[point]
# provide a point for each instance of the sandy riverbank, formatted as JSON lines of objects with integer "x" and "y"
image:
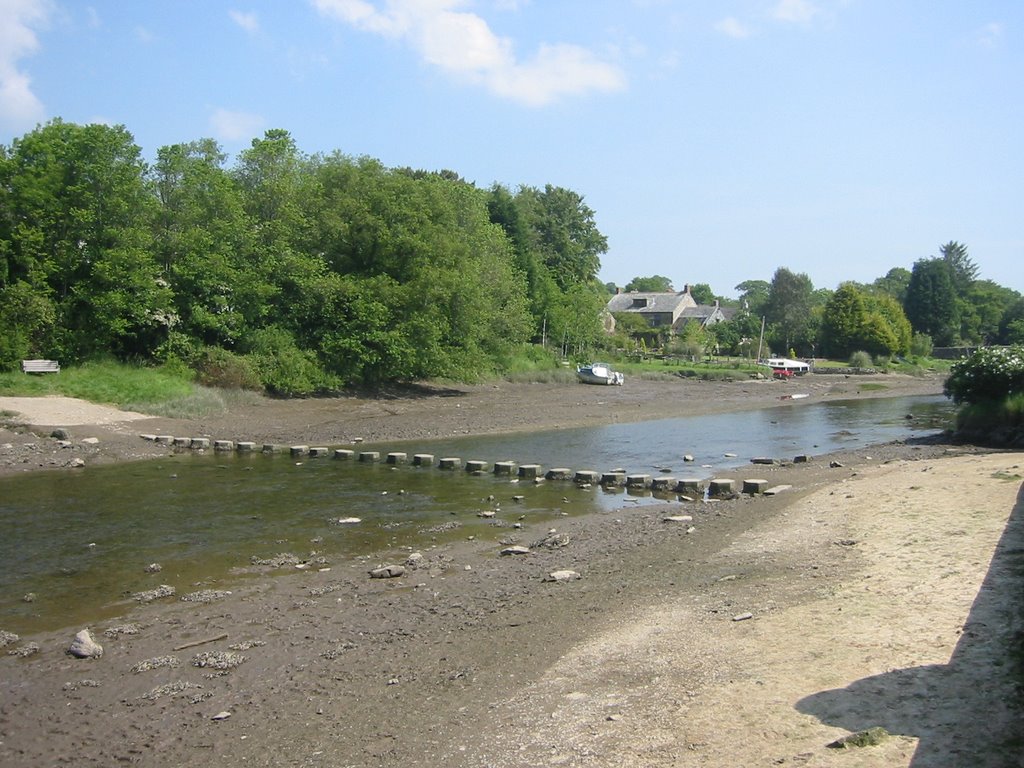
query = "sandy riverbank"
{"x": 863, "y": 585}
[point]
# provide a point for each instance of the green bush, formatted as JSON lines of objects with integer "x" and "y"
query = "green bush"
{"x": 285, "y": 369}
{"x": 989, "y": 375}
{"x": 861, "y": 359}
{"x": 921, "y": 345}
{"x": 216, "y": 367}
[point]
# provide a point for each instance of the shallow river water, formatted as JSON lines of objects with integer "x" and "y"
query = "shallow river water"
{"x": 80, "y": 540}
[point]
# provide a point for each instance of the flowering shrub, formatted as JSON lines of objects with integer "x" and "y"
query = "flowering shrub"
{"x": 990, "y": 374}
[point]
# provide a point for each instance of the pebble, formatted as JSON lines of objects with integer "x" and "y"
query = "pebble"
{"x": 516, "y": 550}
{"x": 387, "y": 572}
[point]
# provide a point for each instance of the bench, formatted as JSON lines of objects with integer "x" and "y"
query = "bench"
{"x": 40, "y": 366}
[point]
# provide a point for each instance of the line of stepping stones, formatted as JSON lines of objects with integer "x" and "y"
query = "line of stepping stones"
{"x": 692, "y": 488}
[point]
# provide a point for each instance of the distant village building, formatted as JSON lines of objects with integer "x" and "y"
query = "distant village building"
{"x": 670, "y": 309}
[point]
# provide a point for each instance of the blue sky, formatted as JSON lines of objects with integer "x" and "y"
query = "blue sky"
{"x": 715, "y": 140}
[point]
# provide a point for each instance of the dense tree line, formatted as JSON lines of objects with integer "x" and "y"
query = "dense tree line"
{"x": 301, "y": 273}
{"x": 940, "y": 302}
{"x": 285, "y": 270}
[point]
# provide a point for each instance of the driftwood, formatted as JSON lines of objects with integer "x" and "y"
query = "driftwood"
{"x": 194, "y": 643}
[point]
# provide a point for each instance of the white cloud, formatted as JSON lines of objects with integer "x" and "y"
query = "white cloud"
{"x": 231, "y": 126}
{"x": 990, "y": 35}
{"x": 733, "y": 27}
{"x": 250, "y": 22}
{"x": 20, "y": 108}
{"x": 795, "y": 11}
{"x": 464, "y": 45}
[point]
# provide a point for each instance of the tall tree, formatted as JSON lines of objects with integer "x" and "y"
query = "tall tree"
{"x": 962, "y": 268}
{"x": 204, "y": 239}
{"x": 789, "y": 310}
{"x": 83, "y": 239}
{"x": 931, "y": 304}
{"x": 568, "y": 238}
{"x": 843, "y": 325}
{"x": 754, "y": 295}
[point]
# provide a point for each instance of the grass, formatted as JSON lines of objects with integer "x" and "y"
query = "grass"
{"x": 160, "y": 391}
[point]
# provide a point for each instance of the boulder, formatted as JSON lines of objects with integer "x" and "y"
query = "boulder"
{"x": 85, "y": 647}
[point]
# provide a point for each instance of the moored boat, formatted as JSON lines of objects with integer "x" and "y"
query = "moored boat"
{"x": 599, "y": 373}
{"x": 783, "y": 367}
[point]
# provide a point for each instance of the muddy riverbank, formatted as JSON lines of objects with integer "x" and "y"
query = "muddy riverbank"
{"x": 753, "y": 634}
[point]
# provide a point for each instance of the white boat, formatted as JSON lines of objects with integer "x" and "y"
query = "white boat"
{"x": 783, "y": 366}
{"x": 599, "y": 373}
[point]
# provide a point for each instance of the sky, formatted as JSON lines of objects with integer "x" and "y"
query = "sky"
{"x": 715, "y": 140}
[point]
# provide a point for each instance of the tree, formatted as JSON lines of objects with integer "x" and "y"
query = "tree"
{"x": 83, "y": 239}
{"x": 1011, "y": 326}
{"x": 754, "y": 295}
{"x": 568, "y": 239}
{"x": 844, "y": 323}
{"x": 885, "y": 312}
{"x": 702, "y": 293}
{"x": 962, "y": 268}
{"x": 652, "y": 284}
{"x": 982, "y": 308}
{"x": 789, "y": 310}
{"x": 893, "y": 284}
{"x": 931, "y": 303}
{"x": 204, "y": 241}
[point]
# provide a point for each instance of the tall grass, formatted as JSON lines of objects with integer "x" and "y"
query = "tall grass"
{"x": 161, "y": 391}
{"x": 988, "y": 416}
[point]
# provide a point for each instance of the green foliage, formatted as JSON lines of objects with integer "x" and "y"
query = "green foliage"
{"x": 297, "y": 271}
{"x": 285, "y": 369}
{"x": 931, "y": 304}
{"x": 25, "y": 317}
{"x": 844, "y": 323}
{"x": 790, "y": 313}
{"x": 894, "y": 284}
{"x": 983, "y": 308}
{"x": 990, "y": 374}
{"x": 652, "y": 284}
{"x": 84, "y": 240}
{"x": 702, "y": 293}
{"x": 998, "y": 422}
{"x": 216, "y": 367}
{"x": 962, "y": 268}
{"x": 105, "y": 381}
{"x": 921, "y": 345}
{"x": 754, "y": 295}
{"x": 1011, "y": 325}
{"x": 860, "y": 359}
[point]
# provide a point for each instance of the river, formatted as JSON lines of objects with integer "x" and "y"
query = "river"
{"x": 79, "y": 541}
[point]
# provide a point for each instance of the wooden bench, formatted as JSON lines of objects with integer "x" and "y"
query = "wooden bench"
{"x": 40, "y": 366}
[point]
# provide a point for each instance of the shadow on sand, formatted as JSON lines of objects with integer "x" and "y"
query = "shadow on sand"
{"x": 969, "y": 712}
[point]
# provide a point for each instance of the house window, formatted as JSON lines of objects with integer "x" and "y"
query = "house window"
{"x": 639, "y": 303}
